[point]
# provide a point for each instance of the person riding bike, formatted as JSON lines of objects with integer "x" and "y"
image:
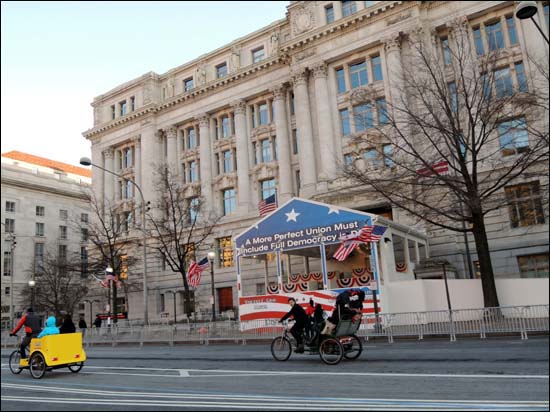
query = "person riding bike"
{"x": 300, "y": 319}
{"x": 32, "y": 329}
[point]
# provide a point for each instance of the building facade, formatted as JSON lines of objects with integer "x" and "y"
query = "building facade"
{"x": 274, "y": 110}
{"x": 41, "y": 198}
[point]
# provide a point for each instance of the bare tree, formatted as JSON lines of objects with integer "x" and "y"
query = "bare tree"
{"x": 459, "y": 135}
{"x": 180, "y": 224}
{"x": 112, "y": 245}
{"x": 59, "y": 285}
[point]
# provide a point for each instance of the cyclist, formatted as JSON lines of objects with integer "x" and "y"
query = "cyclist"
{"x": 32, "y": 329}
{"x": 300, "y": 319}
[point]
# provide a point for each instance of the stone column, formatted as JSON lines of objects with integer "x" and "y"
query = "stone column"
{"x": 98, "y": 175}
{"x": 283, "y": 145}
{"x": 206, "y": 163}
{"x": 117, "y": 157}
{"x": 251, "y": 153}
{"x": 324, "y": 121}
{"x": 149, "y": 161}
{"x": 243, "y": 166}
{"x": 395, "y": 70}
{"x": 305, "y": 134}
{"x": 109, "y": 195}
{"x": 172, "y": 155}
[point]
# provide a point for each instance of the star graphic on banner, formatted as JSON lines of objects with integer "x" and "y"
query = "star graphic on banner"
{"x": 292, "y": 215}
{"x": 332, "y": 209}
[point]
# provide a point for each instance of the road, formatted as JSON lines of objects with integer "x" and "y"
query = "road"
{"x": 492, "y": 374}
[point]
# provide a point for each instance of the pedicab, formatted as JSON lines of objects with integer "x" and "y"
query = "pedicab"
{"x": 50, "y": 352}
{"x": 332, "y": 348}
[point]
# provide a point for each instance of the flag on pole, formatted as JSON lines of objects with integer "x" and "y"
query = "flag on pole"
{"x": 195, "y": 271}
{"x": 345, "y": 249}
{"x": 267, "y": 205}
{"x": 371, "y": 233}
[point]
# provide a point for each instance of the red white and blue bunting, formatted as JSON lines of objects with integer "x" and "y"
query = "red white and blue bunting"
{"x": 272, "y": 289}
{"x": 401, "y": 267}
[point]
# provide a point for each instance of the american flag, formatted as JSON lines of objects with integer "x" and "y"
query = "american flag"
{"x": 439, "y": 168}
{"x": 371, "y": 233}
{"x": 269, "y": 204}
{"x": 345, "y": 249}
{"x": 105, "y": 282}
{"x": 195, "y": 271}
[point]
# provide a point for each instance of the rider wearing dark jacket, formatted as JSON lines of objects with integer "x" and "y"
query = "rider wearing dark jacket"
{"x": 32, "y": 329}
{"x": 300, "y": 318}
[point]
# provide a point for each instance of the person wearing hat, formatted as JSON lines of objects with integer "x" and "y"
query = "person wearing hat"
{"x": 32, "y": 329}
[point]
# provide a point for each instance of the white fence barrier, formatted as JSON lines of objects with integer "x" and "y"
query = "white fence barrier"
{"x": 485, "y": 321}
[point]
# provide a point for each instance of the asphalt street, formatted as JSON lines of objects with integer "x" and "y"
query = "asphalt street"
{"x": 470, "y": 374}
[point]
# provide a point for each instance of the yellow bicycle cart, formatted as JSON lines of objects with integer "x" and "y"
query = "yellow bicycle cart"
{"x": 51, "y": 352}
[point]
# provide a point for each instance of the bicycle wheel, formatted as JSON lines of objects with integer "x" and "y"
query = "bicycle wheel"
{"x": 37, "y": 365}
{"x": 75, "y": 367}
{"x": 353, "y": 347}
{"x": 15, "y": 358}
{"x": 331, "y": 351}
{"x": 281, "y": 348}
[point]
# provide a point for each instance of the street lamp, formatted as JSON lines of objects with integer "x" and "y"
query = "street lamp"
{"x": 211, "y": 256}
{"x": 32, "y": 283}
{"x": 85, "y": 161}
{"x": 526, "y": 10}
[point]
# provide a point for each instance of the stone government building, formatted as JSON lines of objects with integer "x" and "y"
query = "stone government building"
{"x": 274, "y": 109}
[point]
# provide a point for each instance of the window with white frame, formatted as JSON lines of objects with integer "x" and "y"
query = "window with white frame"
{"x": 40, "y": 210}
{"x": 84, "y": 217}
{"x": 348, "y": 8}
{"x": 268, "y": 188}
{"x": 264, "y": 119}
{"x": 371, "y": 158}
{"x": 358, "y": 74}
{"x": 193, "y": 171}
{"x": 63, "y": 232}
{"x": 188, "y": 84}
{"x": 194, "y": 208}
{"x": 229, "y": 201}
{"x": 7, "y": 258}
{"x": 39, "y": 229}
{"x": 266, "y": 151}
{"x": 345, "y": 123}
{"x": 227, "y": 161}
{"x": 10, "y": 206}
{"x": 226, "y": 129}
{"x": 363, "y": 115}
{"x": 191, "y": 138}
{"x": 513, "y": 136}
{"x": 63, "y": 214}
{"x": 534, "y": 266}
{"x": 258, "y": 55}
{"x": 221, "y": 70}
{"x": 9, "y": 225}
{"x": 122, "y": 107}
{"x": 525, "y": 204}
{"x": 329, "y": 13}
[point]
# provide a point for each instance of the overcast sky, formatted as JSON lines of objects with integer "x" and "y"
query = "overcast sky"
{"x": 57, "y": 56}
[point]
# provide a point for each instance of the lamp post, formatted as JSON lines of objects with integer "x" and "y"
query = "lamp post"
{"x": 526, "y": 10}
{"x": 32, "y": 283}
{"x": 109, "y": 272}
{"x": 211, "y": 256}
{"x": 85, "y": 161}
{"x": 13, "y": 242}
{"x": 91, "y": 302}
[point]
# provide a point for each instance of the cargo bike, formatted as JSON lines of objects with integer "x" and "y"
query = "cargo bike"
{"x": 50, "y": 352}
{"x": 332, "y": 348}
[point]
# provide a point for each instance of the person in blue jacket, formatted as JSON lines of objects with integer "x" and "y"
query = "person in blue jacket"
{"x": 50, "y": 328}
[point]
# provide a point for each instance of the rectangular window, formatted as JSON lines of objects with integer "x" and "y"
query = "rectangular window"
{"x": 268, "y": 188}
{"x": 263, "y": 114}
{"x": 364, "y": 117}
{"x": 194, "y": 208}
{"x": 258, "y": 55}
{"x": 503, "y": 83}
{"x": 225, "y": 127}
{"x": 298, "y": 183}
{"x": 63, "y": 214}
{"x": 9, "y": 225}
{"x": 534, "y": 266}
{"x": 122, "y": 106}
{"x": 344, "y": 120}
{"x": 40, "y": 211}
{"x": 513, "y": 137}
{"x": 188, "y": 84}
{"x": 10, "y": 206}
{"x": 341, "y": 80}
{"x": 84, "y": 217}
{"x": 113, "y": 112}
{"x": 227, "y": 161}
{"x": 371, "y": 158}
{"x": 83, "y": 262}
{"x": 221, "y": 70}
{"x": 225, "y": 252}
{"x": 7, "y": 258}
{"x": 388, "y": 155}
{"x": 7, "y": 291}
{"x": 84, "y": 234}
{"x": 478, "y": 40}
{"x": 348, "y": 8}
{"x": 358, "y": 75}
{"x": 368, "y": 3}
{"x": 38, "y": 255}
{"x": 255, "y": 149}
{"x": 525, "y": 204}
{"x": 193, "y": 172}
{"x": 127, "y": 157}
{"x": 511, "y": 30}
{"x": 191, "y": 138}
{"x": 382, "y": 110}
{"x": 229, "y": 201}
{"x": 446, "y": 51}
{"x": 520, "y": 75}
{"x": 292, "y": 105}
{"x": 63, "y": 232}
{"x": 294, "y": 141}
{"x": 253, "y": 116}
{"x": 132, "y": 103}
{"x": 377, "y": 68}
{"x": 486, "y": 86}
{"x": 266, "y": 151}
{"x": 62, "y": 252}
{"x": 495, "y": 39}
{"x": 348, "y": 159}
{"x": 453, "y": 96}
{"x": 547, "y": 16}
{"x": 329, "y": 14}
{"x": 39, "y": 229}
